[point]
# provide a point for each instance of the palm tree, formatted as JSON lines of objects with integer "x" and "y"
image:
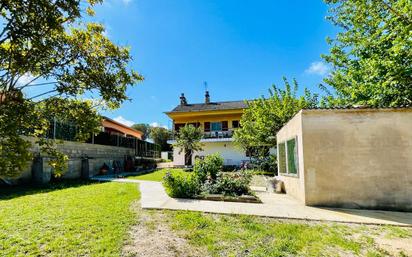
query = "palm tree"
{"x": 188, "y": 140}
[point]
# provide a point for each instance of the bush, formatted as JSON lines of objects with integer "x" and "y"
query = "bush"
{"x": 232, "y": 184}
{"x": 181, "y": 186}
{"x": 267, "y": 164}
{"x": 207, "y": 178}
{"x": 208, "y": 168}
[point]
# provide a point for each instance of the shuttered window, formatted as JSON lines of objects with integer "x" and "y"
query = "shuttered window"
{"x": 235, "y": 123}
{"x": 225, "y": 126}
{"x": 207, "y": 127}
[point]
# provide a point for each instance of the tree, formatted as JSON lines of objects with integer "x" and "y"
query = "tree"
{"x": 160, "y": 136}
{"x": 188, "y": 140}
{"x": 45, "y": 44}
{"x": 264, "y": 117}
{"x": 143, "y": 127}
{"x": 371, "y": 56}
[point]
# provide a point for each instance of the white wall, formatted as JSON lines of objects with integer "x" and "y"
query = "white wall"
{"x": 230, "y": 154}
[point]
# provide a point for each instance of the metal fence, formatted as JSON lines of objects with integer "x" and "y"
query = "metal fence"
{"x": 67, "y": 132}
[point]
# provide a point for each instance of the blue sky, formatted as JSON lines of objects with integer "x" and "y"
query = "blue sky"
{"x": 239, "y": 47}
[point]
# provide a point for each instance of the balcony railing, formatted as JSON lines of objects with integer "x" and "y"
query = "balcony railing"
{"x": 218, "y": 134}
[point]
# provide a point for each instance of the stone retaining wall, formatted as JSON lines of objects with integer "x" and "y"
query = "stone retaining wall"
{"x": 93, "y": 156}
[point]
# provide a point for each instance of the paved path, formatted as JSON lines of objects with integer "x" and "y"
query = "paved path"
{"x": 153, "y": 196}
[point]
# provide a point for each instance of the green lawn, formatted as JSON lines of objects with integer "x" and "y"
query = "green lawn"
{"x": 234, "y": 235}
{"x": 66, "y": 219}
{"x": 158, "y": 174}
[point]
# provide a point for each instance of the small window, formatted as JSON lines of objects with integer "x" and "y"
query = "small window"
{"x": 288, "y": 157}
{"x": 225, "y": 126}
{"x": 235, "y": 123}
{"x": 216, "y": 126}
{"x": 282, "y": 157}
{"x": 292, "y": 156}
{"x": 207, "y": 127}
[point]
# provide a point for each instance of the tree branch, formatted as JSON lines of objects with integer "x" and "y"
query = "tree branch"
{"x": 45, "y": 93}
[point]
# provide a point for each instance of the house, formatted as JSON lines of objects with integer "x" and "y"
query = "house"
{"x": 218, "y": 120}
{"x": 354, "y": 157}
{"x": 116, "y": 128}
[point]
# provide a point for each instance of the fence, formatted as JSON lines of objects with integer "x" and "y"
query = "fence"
{"x": 67, "y": 132}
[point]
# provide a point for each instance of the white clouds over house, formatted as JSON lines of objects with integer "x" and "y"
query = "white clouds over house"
{"x": 124, "y": 121}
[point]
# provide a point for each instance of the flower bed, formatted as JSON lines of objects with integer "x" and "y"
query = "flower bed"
{"x": 208, "y": 182}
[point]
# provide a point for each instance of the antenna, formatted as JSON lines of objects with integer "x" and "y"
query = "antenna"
{"x": 205, "y": 83}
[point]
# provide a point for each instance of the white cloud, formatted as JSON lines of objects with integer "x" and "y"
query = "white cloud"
{"x": 156, "y": 124}
{"x": 126, "y": 2}
{"x": 318, "y": 68}
{"x": 124, "y": 121}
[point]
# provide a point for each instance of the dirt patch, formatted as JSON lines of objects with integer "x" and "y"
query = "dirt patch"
{"x": 152, "y": 237}
{"x": 395, "y": 246}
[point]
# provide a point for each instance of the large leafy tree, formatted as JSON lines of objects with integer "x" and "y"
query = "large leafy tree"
{"x": 143, "y": 127}
{"x": 160, "y": 136}
{"x": 372, "y": 54}
{"x": 188, "y": 141}
{"x": 44, "y": 45}
{"x": 264, "y": 117}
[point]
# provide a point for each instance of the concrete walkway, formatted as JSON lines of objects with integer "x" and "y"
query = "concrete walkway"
{"x": 153, "y": 196}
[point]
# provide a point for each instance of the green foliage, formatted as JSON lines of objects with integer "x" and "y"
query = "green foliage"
{"x": 266, "y": 116}
{"x": 158, "y": 175}
{"x": 371, "y": 56}
{"x": 46, "y": 42}
{"x": 207, "y": 178}
{"x": 266, "y": 163}
{"x": 188, "y": 139}
{"x": 71, "y": 218}
{"x": 160, "y": 136}
{"x": 181, "y": 186}
{"x": 230, "y": 184}
{"x": 208, "y": 168}
{"x": 143, "y": 127}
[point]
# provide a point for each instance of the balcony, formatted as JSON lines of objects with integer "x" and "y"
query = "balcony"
{"x": 213, "y": 136}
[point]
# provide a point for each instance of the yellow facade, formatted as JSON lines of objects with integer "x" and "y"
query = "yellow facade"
{"x": 206, "y": 116}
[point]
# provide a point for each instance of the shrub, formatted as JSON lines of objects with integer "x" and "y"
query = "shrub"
{"x": 208, "y": 168}
{"x": 267, "y": 164}
{"x": 181, "y": 186}
{"x": 233, "y": 184}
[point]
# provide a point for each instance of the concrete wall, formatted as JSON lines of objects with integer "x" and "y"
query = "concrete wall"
{"x": 98, "y": 154}
{"x": 359, "y": 158}
{"x": 294, "y": 184}
{"x": 231, "y": 155}
{"x": 356, "y": 158}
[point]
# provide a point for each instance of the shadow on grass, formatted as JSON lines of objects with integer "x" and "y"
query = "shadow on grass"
{"x": 10, "y": 192}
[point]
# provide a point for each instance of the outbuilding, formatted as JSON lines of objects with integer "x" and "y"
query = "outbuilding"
{"x": 348, "y": 157}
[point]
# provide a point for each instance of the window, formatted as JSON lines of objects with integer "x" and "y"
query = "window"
{"x": 292, "y": 156}
{"x": 216, "y": 126}
{"x": 235, "y": 123}
{"x": 288, "y": 157}
{"x": 282, "y": 157}
{"x": 207, "y": 127}
{"x": 225, "y": 126}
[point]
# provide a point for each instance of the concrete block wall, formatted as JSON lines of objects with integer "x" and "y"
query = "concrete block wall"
{"x": 76, "y": 151}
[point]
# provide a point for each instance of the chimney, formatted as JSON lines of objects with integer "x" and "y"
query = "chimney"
{"x": 207, "y": 98}
{"x": 183, "y": 100}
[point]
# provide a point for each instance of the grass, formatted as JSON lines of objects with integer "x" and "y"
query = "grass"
{"x": 158, "y": 174}
{"x": 233, "y": 235}
{"x": 71, "y": 218}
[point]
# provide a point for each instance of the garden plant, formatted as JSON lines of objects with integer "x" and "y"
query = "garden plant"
{"x": 208, "y": 178}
